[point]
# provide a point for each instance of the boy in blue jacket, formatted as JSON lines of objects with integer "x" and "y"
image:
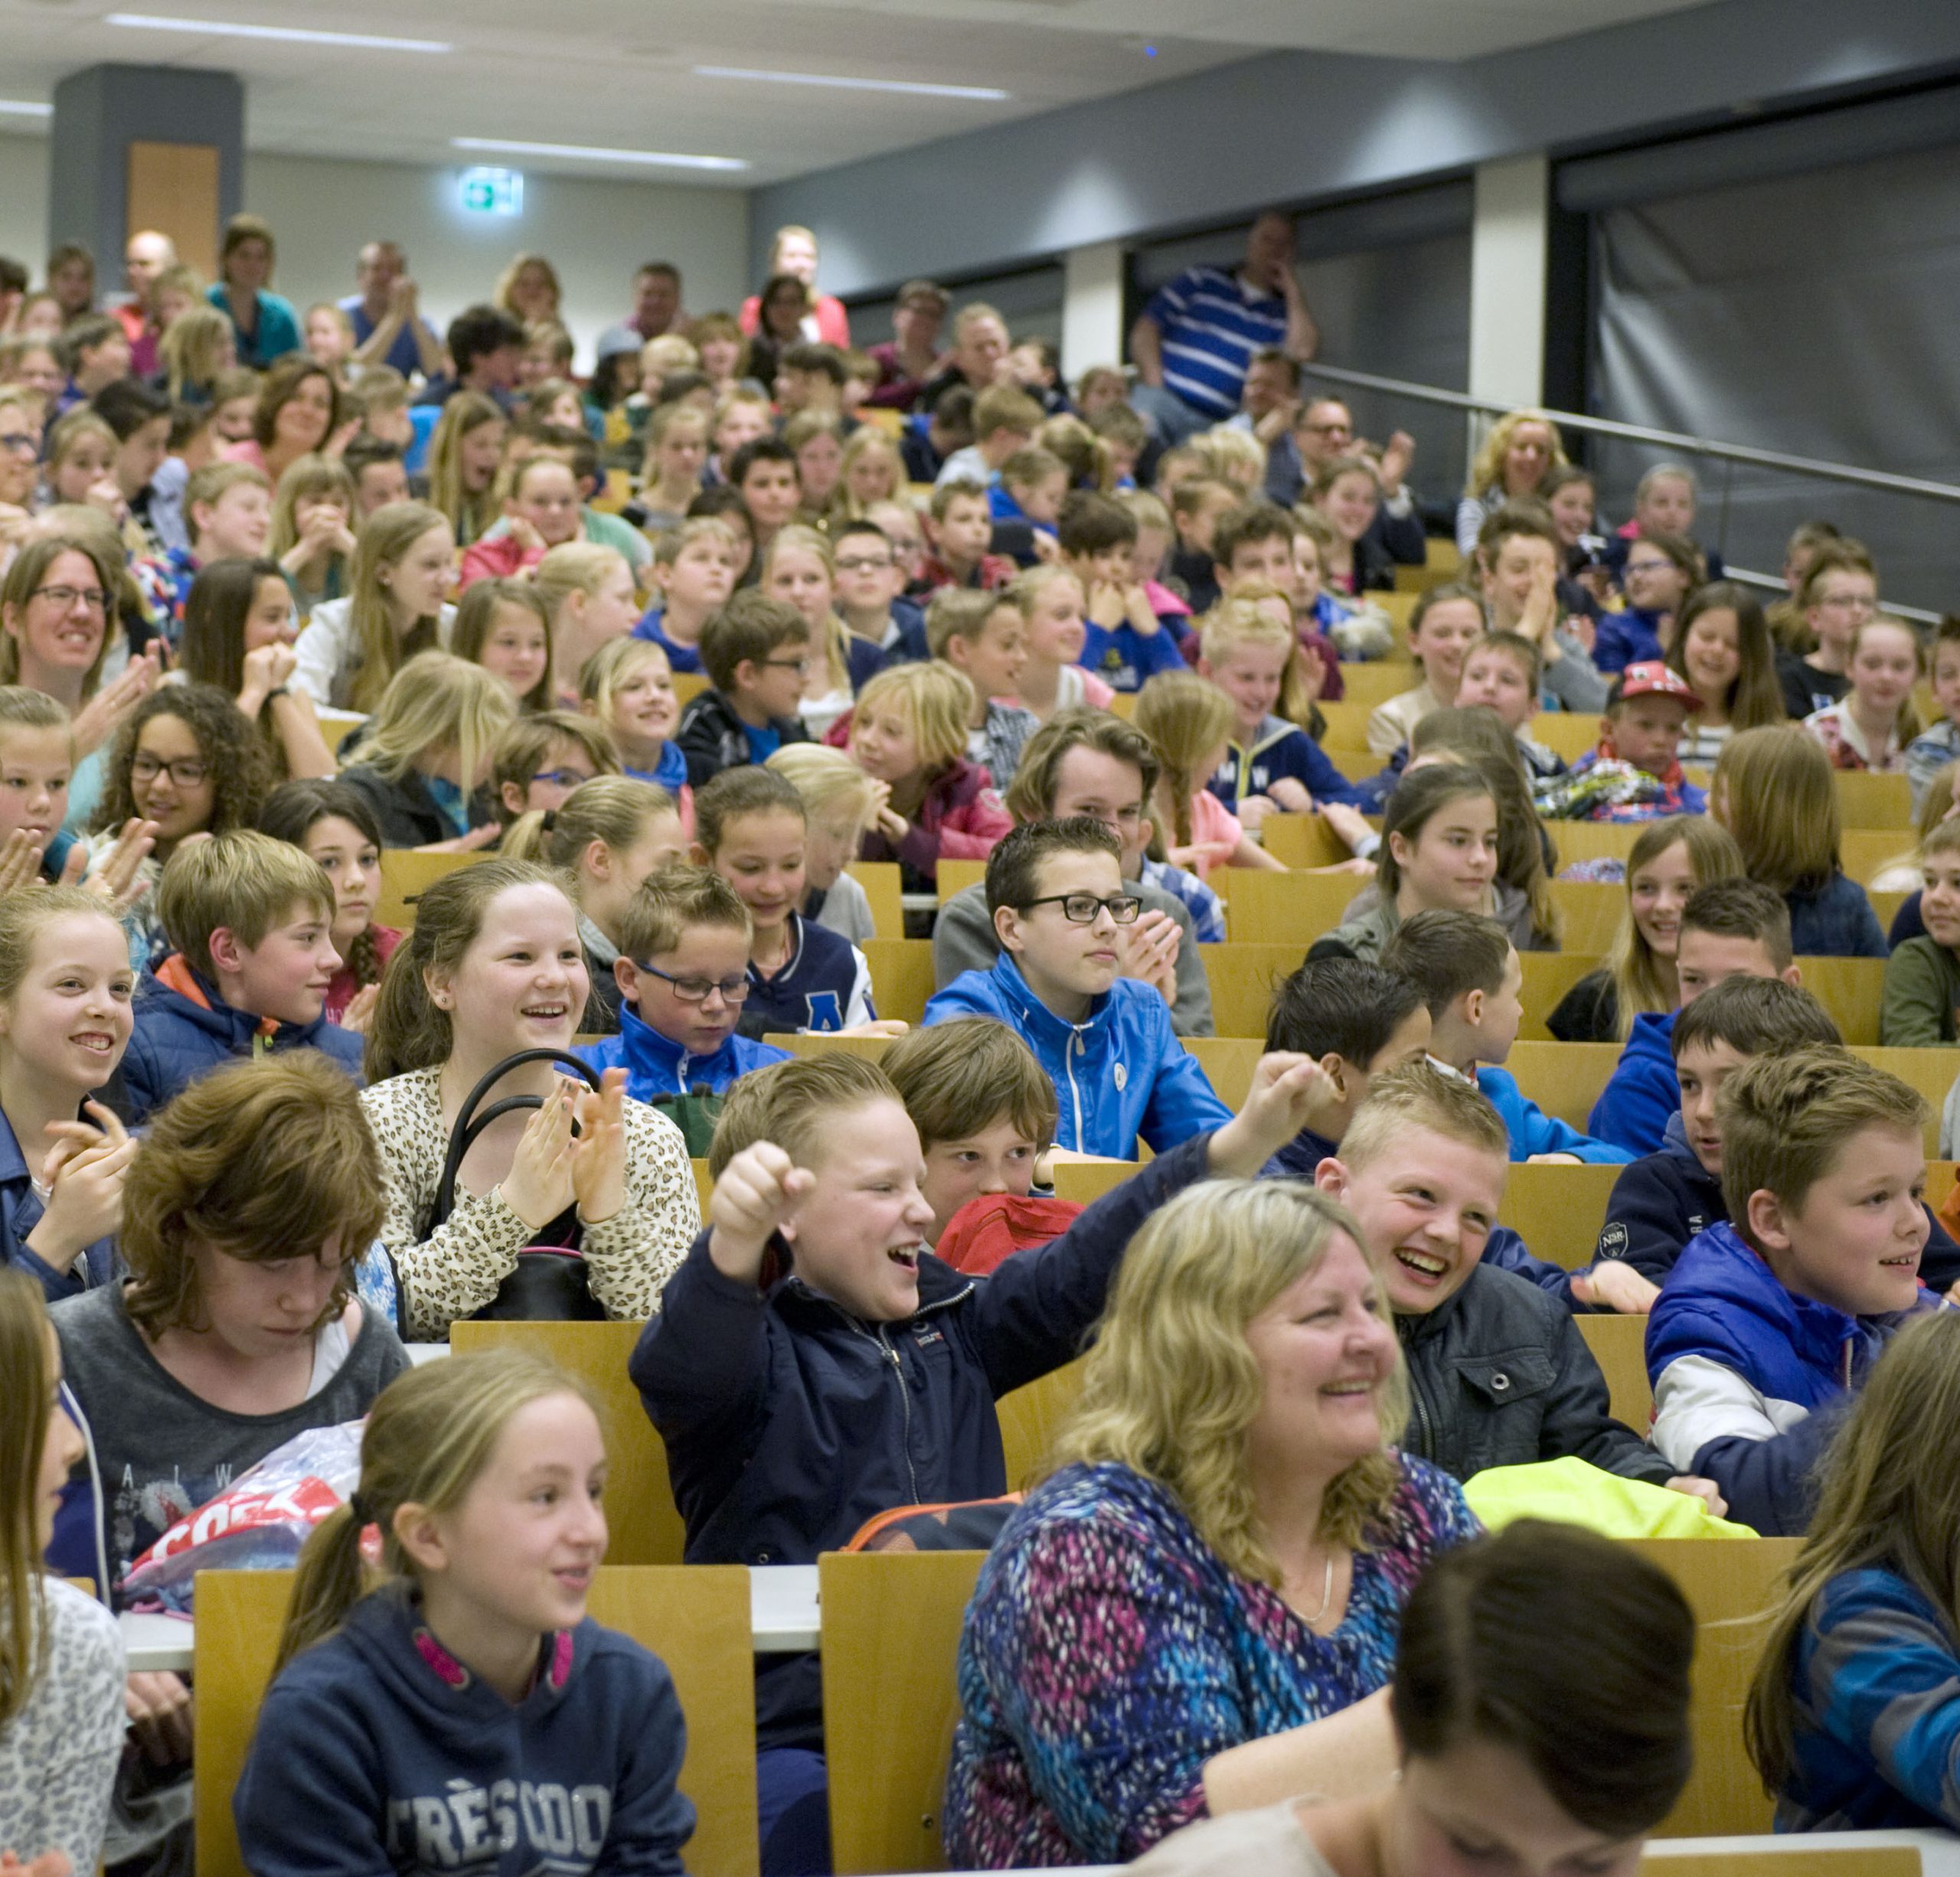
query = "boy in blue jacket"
{"x": 1469, "y": 971}
{"x": 1055, "y": 894}
{"x": 1767, "y": 1324}
{"x": 250, "y": 921}
{"x": 683, "y": 975}
{"x": 794, "y": 1407}
{"x": 1729, "y": 928}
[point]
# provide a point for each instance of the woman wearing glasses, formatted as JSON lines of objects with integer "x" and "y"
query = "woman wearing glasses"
{"x": 1055, "y": 893}
{"x": 188, "y": 762}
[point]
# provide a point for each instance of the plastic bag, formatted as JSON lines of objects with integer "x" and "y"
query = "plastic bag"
{"x": 256, "y": 1524}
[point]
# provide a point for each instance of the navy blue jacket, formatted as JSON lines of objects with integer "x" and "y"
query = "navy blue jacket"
{"x": 377, "y": 1751}
{"x": 1662, "y": 1202}
{"x": 1836, "y": 922}
{"x": 1280, "y": 748}
{"x": 788, "y": 1421}
{"x": 183, "y": 1033}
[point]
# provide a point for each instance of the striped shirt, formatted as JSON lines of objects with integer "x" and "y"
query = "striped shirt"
{"x": 1212, "y": 323}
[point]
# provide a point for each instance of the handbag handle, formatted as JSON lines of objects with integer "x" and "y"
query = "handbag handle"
{"x": 469, "y": 1124}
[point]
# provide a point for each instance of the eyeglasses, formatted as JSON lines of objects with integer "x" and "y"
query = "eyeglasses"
{"x": 1329, "y": 430}
{"x": 1081, "y": 908}
{"x": 855, "y": 565}
{"x": 800, "y": 666}
{"x": 698, "y": 990}
{"x": 561, "y": 779}
{"x": 186, "y": 772}
{"x": 64, "y": 597}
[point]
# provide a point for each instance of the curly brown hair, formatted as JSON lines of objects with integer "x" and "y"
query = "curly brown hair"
{"x": 227, "y": 742}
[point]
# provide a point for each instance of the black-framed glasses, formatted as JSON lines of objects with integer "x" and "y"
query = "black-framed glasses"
{"x": 698, "y": 990}
{"x": 856, "y": 563}
{"x": 800, "y": 666}
{"x": 92, "y": 597}
{"x": 186, "y": 772}
{"x": 1081, "y": 908}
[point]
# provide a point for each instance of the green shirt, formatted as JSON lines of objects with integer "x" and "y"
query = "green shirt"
{"x": 1922, "y": 990}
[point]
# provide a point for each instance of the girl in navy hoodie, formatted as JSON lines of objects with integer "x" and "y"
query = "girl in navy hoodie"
{"x": 467, "y": 1714}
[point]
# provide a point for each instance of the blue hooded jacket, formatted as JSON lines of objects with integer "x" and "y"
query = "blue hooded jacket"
{"x": 1750, "y": 1379}
{"x": 1633, "y": 1109}
{"x": 376, "y": 1750}
{"x": 1532, "y": 1131}
{"x": 1121, "y": 1074}
{"x": 184, "y": 1030}
{"x": 656, "y": 1067}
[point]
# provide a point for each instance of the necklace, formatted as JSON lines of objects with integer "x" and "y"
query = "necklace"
{"x": 1326, "y": 1595}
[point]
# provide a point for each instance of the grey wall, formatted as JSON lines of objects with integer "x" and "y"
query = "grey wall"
{"x": 1296, "y": 127}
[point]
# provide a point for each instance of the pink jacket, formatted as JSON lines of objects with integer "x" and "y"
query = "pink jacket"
{"x": 496, "y": 556}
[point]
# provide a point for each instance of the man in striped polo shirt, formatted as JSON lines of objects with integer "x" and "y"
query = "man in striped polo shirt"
{"x": 1194, "y": 342}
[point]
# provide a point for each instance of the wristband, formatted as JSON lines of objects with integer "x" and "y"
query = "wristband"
{"x": 279, "y": 690}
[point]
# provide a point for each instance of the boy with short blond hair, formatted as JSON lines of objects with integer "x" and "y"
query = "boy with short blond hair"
{"x": 694, "y": 573}
{"x": 1029, "y": 487}
{"x": 1768, "y": 1324}
{"x": 756, "y": 651}
{"x": 683, "y": 975}
{"x": 959, "y": 524}
{"x": 1004, "y": 420}
{"x": 985, "y": 1110}
{"x": 985, "y": 636}
{"x": 250, "y": 921}
{"x": 1500, "y": 1375}
{"x": 813, "y": 1364}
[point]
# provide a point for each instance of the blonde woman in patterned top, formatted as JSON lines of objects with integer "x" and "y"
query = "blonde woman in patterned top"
{"x": 494, "y": 966}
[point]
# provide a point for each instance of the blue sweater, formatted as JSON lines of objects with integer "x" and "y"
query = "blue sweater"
{"x": 1533, "y": 1132}
{"x": 1836, "y": 922}
{"x": 1750, "y": 1379}
{"x": 1877, "y": 1725}
{"x": 1280, "y": 748}
{"x": 1630, "y": 637}
{"x": 656, "y": 1066}
{"x": 1643, "y": 1094}
{"x": 21, "y": 1211}
{"x": 1122, "y": 658}
{"x": 1121, "y": 1074}
{"x": 376, "y": 1752}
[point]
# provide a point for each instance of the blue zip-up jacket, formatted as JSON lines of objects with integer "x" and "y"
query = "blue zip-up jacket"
{"x": 1121, "y": 1074}
{"x": 1876, "y": 1730}
{"x": 1280, "y": 748}
{"x": 1750, "y": 1379}
{"x": 1628, "y": 637}
{"x": 1661, "y": 1201}
{"x": 184, "y": 1030}
{"x": 656, "y": 1066}
{"x": 788, "y": 1421}
{"x": 376, "y": 1750}
{"x": 21, "y": 1211}
{"x": 1643, "y": 1093}
{"x": 1532, "y": 1131}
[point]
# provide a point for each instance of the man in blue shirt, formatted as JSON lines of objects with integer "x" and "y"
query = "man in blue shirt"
{"x": 1194, "y": 343}
{"x": 387, "y": 329}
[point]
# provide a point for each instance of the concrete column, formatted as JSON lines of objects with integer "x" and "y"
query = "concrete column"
{"x": 1091, "y": 308}
{"x": 1507, "y": 280}
{"x": 159, "y": 141}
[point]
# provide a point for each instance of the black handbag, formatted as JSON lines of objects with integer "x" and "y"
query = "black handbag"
{"x": 549, "y": 1285}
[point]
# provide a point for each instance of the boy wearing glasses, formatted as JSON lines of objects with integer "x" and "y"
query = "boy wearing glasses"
{"x": 884, "y": 628}
{"x": 1056, "y": 895}
{"x": 683, "y": 974}
{"x": 756, "y": 651}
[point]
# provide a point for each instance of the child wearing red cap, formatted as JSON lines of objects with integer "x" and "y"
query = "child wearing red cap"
{"x": 1635, "y": 774}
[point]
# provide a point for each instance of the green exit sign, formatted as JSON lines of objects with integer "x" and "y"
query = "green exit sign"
{"x": 492, "y": 191}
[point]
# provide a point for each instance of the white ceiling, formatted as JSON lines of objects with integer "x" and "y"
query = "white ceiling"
{"x": 620, "y": 72}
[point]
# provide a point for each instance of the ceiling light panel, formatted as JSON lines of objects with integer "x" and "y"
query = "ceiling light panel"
{"x": 988, "y": 94}
{"x": 659, "y": 159}
{"x": 292, "y": 35}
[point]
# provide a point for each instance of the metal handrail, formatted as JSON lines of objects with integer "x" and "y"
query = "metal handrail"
{"x": 1769, "y": 582}
{"x": 1640, "y": 433}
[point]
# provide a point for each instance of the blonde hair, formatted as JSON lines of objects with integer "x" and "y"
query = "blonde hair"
{"x": 666, "y": 418}
{"x": 1888, "y": 1500}
{"x": 501, "y": 295}
{"x": 608, "y": 668}
{"x": 1186, "y": 718}
{"x": 826, "y": 778}
{"x": 243, "y": 881}
{"x": 437, "y": 701}
{"x": 1639, "y": 981}
{"x": 1774, "y": 784}
{"x": 1487, "y": 469}
{"x": 574, "y": 567}
{"x": 24, "y": 1399}
{"x": 1222, "y": 450}
{"x": 937, "y": 698}
{"x": 675, "y": 900}
{"x": 189, "y": 349}
{"x": 791, "y": 1103}
{"x": 1417, "y": 1095}
{"x": 1171, "y": 1389}
{"x": 868, "y": 440}
{"x": 69, "y": 432}
{"x": 836, "y": 635}
{"x": 1239, "y": 620}
{"x": 305, "y": 478}
{"x": 614, "y": 810}
{"x": 383, "y": 542}
{"x": 470, "y": 514}
{"x": 1907, "y": 725}
{"x": 428, "y": 1436}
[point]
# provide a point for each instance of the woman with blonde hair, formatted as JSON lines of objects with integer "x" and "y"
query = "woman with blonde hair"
{"x": 1669, "y": 859}
{"x": 464, "y": 457}
{"x": 61, "y": 1667}
{"x": 1851, "y": 1720}
{"x": 529, "y": 291}
{"x": 1197, "y": 1610}
{"x": 1773, "y": 791}
{"x": 839, "y": 801}
{"x": 1523, "y": 448}
{"x": 197, "y": 348}
{"x": 423, "y": 758}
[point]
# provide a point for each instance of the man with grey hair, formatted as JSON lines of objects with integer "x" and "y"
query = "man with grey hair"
{"x": 388, "y": 327}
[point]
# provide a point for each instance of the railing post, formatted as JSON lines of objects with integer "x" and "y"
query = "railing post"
{"x": 1507, "y": 280}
